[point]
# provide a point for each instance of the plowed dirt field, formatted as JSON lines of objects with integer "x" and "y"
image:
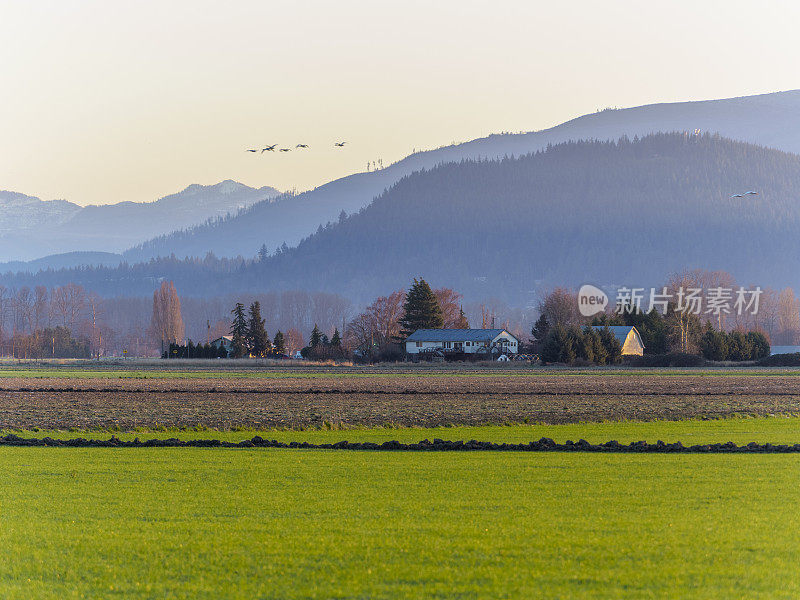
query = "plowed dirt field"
{"x": 382, "y": 399}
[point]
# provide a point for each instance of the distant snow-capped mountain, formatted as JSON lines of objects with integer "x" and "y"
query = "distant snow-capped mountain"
{"x": 21, "y": 212}
{"x": 31, "y": 228}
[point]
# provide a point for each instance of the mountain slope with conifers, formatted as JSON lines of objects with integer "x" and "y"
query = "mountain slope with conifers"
{"x": 625, "y": 213}
{"x": 611, "y": 213}
{"x": 766, "y": 119}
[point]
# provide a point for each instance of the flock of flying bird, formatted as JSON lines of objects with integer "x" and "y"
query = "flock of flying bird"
{"x": 301, "y": 146}
{"x": 750, "y": 193}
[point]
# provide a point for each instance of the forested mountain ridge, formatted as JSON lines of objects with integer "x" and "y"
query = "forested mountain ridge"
{"x": 625, "y": 213}
{"x": 63, "y": 261}
{"x": 767, "y": 119}
{"x": 610, "y": 213}
{"x": 31, "y": 228}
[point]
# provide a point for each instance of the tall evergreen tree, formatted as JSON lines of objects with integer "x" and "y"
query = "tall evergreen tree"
{"x": 462, "y": 322}
{"x": 421, "y": 310}
{"x": 612, "y": 346}
{"x": 336, "y": 340}
{"x": 279, "y": 343}
{"x": 257, "y": 338}
{"x": 239, "y": 332}
{"x": 316, "y": 337}
{"x": 540, "y": 330}
{"x": 558, "y": 346}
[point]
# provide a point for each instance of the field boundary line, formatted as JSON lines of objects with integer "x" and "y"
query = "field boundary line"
{"x": 437, "y": 445}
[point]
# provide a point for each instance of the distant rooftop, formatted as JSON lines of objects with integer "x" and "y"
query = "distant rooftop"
{"x": 620, "y": 331}
{"x": 454, "y": 335}
{"x": 783, "y": 349}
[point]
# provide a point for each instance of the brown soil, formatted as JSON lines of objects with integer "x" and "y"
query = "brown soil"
{"x": 427, "y": 401}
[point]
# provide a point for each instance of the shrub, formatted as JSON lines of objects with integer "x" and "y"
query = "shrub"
{"x": 760, "y": 344}
{"x": 573, "y": 346}
{"x": 781, "y": 360}
{"x": 736, "y": 346}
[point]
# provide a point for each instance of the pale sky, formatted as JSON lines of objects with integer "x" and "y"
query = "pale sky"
{"x": 109, "y": 101}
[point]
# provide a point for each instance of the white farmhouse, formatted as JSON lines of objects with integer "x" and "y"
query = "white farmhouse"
{"x": 628, "y": 337}
{"x": 468, "y": 341}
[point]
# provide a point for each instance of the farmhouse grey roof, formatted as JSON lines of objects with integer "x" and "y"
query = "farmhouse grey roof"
{"x": 454, "y": 335}
{"x": 783, "y": 349}
{"x": 620, "y": 331}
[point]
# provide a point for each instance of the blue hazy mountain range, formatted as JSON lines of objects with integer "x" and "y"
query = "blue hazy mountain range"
{"x": 31, "y": 228}
{"x": 625, "y": 213}
{"x": 768, "y": 120}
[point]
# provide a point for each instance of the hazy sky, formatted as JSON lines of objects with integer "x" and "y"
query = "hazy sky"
{"x": 110, "y": 101}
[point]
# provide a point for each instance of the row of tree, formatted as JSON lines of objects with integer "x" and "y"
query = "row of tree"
{"x": 736, "y": 345}
{"x": 320, "y": 347}
{"x": 676, "y": 329}
{"x": 249, "y": 334}
{"x": 26, "y": 312}
{"x": 55, "y": 342}
{"x": 378, "y": 332}
{"x": 572, "y": 344}
{"x": 191, "y": 350}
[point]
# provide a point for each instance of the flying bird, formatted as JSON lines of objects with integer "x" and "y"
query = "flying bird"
{"x": 750, "y": 193}
{"x": 269, "y": 148}
{"x": 249, "y": 150}
{"x": 285, "y": 149}
{"x": 301, "y": 146}
{"x": 340, "y": 144}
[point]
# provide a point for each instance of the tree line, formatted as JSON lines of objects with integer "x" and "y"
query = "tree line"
{"x": 561, "y": 333}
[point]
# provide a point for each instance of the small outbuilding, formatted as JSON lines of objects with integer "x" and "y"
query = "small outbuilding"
{"x": 225, "y": 342}
{"x": 462, "y": 341}
{"x": 628, "y": 337}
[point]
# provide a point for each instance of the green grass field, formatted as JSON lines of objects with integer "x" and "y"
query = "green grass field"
{"x": 218, "y": 523}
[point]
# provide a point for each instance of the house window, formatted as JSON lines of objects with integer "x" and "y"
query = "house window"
{"x": 419, "y": 344}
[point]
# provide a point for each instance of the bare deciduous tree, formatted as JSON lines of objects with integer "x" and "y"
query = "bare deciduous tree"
{"x": 681, "y": 317}
{"x": 5, "y": 302}
{"x": 767, "y": 316}
{"x": 294, "y": 340}
{"x": 788, "y": 317}
{"x": 379, "y": 324}
{"x": 22, "y": 307}
{"x": 40, "y": 307}
{"x": 68, "y": 303}
{"x": 95, "y": 304}
{"x": 450, "y": 302}
{"x": 561, "y": 308}
{"x": 167, "y": 322}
